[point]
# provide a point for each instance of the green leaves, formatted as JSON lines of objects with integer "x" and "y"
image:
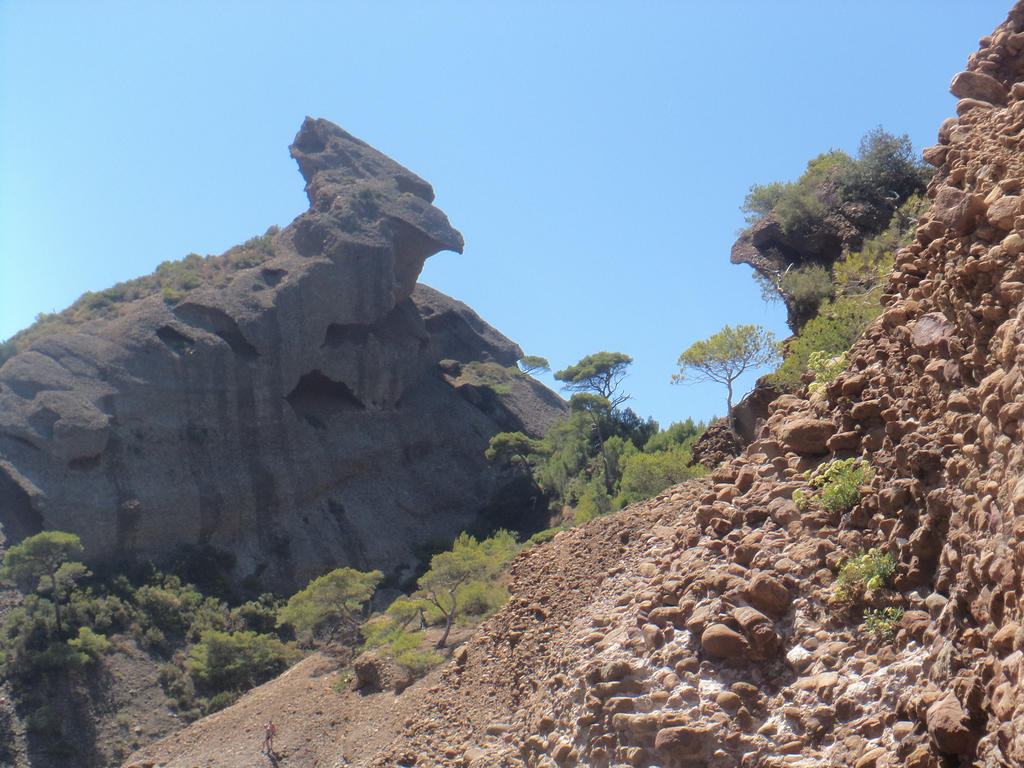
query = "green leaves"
{"x": 837, "y": 484}
{"x": 464, "y": 578}
{"x": 863, "y": 573}
{"x": 33, "y": 563}
{"x": 231, "y": 661}
{"x": 330, "y": 602}
{"x": 599, "y": 374}
{"x": 727, "y": 354}
{"x": 506, "y": 447}
{"x": 532, "y": 364}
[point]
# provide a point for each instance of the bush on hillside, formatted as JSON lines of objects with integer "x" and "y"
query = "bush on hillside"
{"x": 805, "y": 288}
{"x": 887, "y": 169}
{"x": 329, "y": 606}
{"x": 236, "y": 661}
{"x": 647, "y": 474}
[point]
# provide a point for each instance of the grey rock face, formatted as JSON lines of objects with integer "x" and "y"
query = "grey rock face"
{"x": 295, "y": 417}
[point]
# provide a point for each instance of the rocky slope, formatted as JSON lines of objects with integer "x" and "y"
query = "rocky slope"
{"x": 701, "y": 628}
{"x": 286, "y": 416}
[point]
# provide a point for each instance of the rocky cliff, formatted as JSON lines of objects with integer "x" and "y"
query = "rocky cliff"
{"x": 300, "y": 414}
{"x": 704, "y": 627}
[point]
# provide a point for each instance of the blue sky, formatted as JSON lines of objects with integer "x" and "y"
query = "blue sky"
{"x": 593, "y": 154}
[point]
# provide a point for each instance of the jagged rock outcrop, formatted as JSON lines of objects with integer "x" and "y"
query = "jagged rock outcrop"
{"x": 295, "y": 417}
{"x": 770, "y": 249}
{"x": 703, "y": 627}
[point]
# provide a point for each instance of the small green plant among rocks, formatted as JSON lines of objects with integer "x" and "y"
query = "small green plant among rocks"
{"x": 882, "y": 622}
{"x": 825, "y": 367}
{"x": 862, "y": 574}
{"x": 835, "y": 485}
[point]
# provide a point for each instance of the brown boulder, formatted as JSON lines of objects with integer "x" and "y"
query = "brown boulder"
{"x": 682, "y": 742}
{"x": 957, "y": 209}
{"x": 371, "y": 672}
{"x": 807, "y": 435}
{"x": 1002, "y": 212}
{"x": 666, "y": 615}
{"x": 723, "y": 643}
{"x": 932, "y": 332}
{"x": 768, "y": 594}
{"x": 948, "y": 727}
{"x": 978, "y": 85}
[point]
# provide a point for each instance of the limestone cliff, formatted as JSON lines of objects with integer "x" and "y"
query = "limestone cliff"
{"x": 294, "y": 415}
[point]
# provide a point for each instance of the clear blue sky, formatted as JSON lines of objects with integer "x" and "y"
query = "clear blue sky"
{"x": 593, "y": 154}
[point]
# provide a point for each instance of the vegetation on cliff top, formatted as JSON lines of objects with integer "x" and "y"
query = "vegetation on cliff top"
{"x": 172, "y": 280}
{"x": 875, "y": 196}
{"x": 835, "y": 299}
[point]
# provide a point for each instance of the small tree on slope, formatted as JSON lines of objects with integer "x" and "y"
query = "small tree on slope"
{"x": 724, "y": 356}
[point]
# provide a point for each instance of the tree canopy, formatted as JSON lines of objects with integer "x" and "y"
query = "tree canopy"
{"x": 34, "y": 563}
{"x": 507, "y": 447}
{"x": 600, "y": 373}
{"x": 466, "y": 562}
{"x": 532, "y": 364}
{"x": 724, "y": 356}
{"x": 330, "y": 602}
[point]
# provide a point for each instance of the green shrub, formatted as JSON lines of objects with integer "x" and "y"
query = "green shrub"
{"x": 419, "y": 661}
{"x": 761, "y": 199}
{"x": 836, "y": 484}
{"x": 154, "y": 639}
{"x": 89, "y": 644}
{"x": 219, "y": 701}
{"x": 800, "y": 208}
{"x": 329, "y": 604}
{"x": 381, "y": 631}
{"x": 546, "y": 535}
{"x": 178, "y": 685}
{"x": 492, "y": 375}
{"x": 479, "y": 599}
{"x": 806, "y": 287}
{"x": 168, "y": 604}
{"x": 882, "y": 622}
{"x": 256, "y": 615}
{"x": 862, "y": 574}
{"x": 838, "y": 324}
{"x": 232, "y": 661}
{"x": 647, "y": 474}
{"x": 593, "y": 502}
{"x": 680, "y": 433}
{"x": 887, "y": 167}
{"x": 797, "y": 205}
{"x": 825, "y": 368}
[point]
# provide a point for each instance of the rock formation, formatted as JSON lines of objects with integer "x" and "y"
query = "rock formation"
{"x": 296, "y": 416}
{"x": 704, "y": 628}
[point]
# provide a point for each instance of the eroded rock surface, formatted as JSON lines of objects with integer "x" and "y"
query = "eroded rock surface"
{"x": 702, "y": 627}
{"x": 296, "y": 417}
